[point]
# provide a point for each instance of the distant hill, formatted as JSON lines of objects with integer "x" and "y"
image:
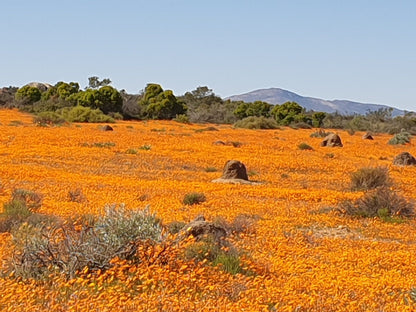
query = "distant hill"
{"x": 280, "y": 96}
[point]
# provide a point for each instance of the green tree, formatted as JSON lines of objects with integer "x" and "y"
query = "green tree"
{"x": 286, "y": 113}
{"x": 94, "y": 82}
{"x": 107, "y": 99}
{"x": 159, "y": 104}
{"x": 28, "y": 95}
{"x": 318, "y": 119}
{"x": 257, "y": 109}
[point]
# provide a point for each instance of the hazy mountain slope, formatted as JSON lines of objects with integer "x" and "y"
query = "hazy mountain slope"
{"x": 279, "y": 96}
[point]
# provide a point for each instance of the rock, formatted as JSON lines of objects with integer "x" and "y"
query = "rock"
{"x": 107, "y": 128}
{"x": 200, "y": 228}
{"x": 41, "y": 86}
{"x": 404, "y": 159}
{"x": 332, "y": 140}
{"x": 368, "y": 136}
{"x": 234, "y": 169}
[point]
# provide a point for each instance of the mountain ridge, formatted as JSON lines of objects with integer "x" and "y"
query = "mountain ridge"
{"x": 280, "y": 96}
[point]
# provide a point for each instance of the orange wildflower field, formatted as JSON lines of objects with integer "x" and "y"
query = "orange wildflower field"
{"x": 302, "y": 256}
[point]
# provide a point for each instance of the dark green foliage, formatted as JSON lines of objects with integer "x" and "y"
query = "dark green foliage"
{"x": 381, "y": 202}
{"x": 86, "y": 242}
{"x": 257, "y": 108}
{"x": 159, "y": 104}
{"x": 27, "y": 95}
{"x": 194, "y": 199}
{"x": 107, "y": 99}
{"x": 94, "y": 82}
{"x": 370, "y": 178}
{"x": 256, "y": 123}
{"x": 305, "y": 146}
{"x": 400, "y": 138}
{"x": 287, "y": 113}
{"x": 318, "y": 119}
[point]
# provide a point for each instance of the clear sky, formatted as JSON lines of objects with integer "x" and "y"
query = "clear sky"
{"x": 359, "y": 50}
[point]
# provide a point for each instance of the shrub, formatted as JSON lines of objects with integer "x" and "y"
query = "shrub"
{"x": 381, "y": 202}
{"x": 207, "y": 249}
{"x": 21, "y": 206}
{"x": 182, "y": 118}
{"x": 210, "y": 128}
{"x": 370, "y": 178}
{"x": 211, "y": 169}
{"x": 76, "y": 195}
{"x": 176, "y": 226}
{"x": 87, "y": 242}
{"x": 320, "y": 134}
{"x": 194, "y": 198}
{"x": 131, "y": 151}
{"x": 145, "y": 147}
{"x": 84, "y": 114}
{"x": 48, "y": 118}
{"x": 304, "y": 146}
{"x": 300, "y": 125}
{"x": 257, "y": 123}
{"x": 400, "y": 138}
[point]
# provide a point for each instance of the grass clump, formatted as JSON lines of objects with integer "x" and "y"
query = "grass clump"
{"x": 400, "y": 138}
{"x": 382, "y": 202}
{"x": 370, "y": 178}
{"x": 254, "y": 122}
{"x": 304, "y": 146}
{"x": 194, "y": 199}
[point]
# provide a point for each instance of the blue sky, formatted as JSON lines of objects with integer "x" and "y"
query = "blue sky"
{"x": 336, "y": 49}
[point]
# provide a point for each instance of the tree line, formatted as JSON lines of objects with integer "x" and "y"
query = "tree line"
{"x": 100, "y": 102}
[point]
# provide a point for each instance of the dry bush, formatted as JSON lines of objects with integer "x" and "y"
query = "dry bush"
{"x": 369, "y": 178}
{"x": 89, "y": 242}
{"x": 381, "y": 202}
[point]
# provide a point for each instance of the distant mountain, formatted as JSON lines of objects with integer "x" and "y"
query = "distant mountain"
{"x": 280, "y": 96}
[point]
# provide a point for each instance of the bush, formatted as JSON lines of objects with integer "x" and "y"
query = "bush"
{"x": 207, "y": 249}
{"x": 381, "y": 202}
{"x": 304, "y": 146}
{"x": 320, "y": 134}
{"x": 48, "y": 118}
{"x": 182, "y": 118}
{"x": 257, "y": 123}
{"x": 194, "y": 199}
{"x": 400, "y": 138}
{"x": 370, "y": 178}
{"x": 85, "y": 114}
{"x": 21, "y": 206}
{"x": 86, "y": 242}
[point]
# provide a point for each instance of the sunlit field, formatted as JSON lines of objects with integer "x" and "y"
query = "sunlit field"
{"x": 300, "y": 253}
